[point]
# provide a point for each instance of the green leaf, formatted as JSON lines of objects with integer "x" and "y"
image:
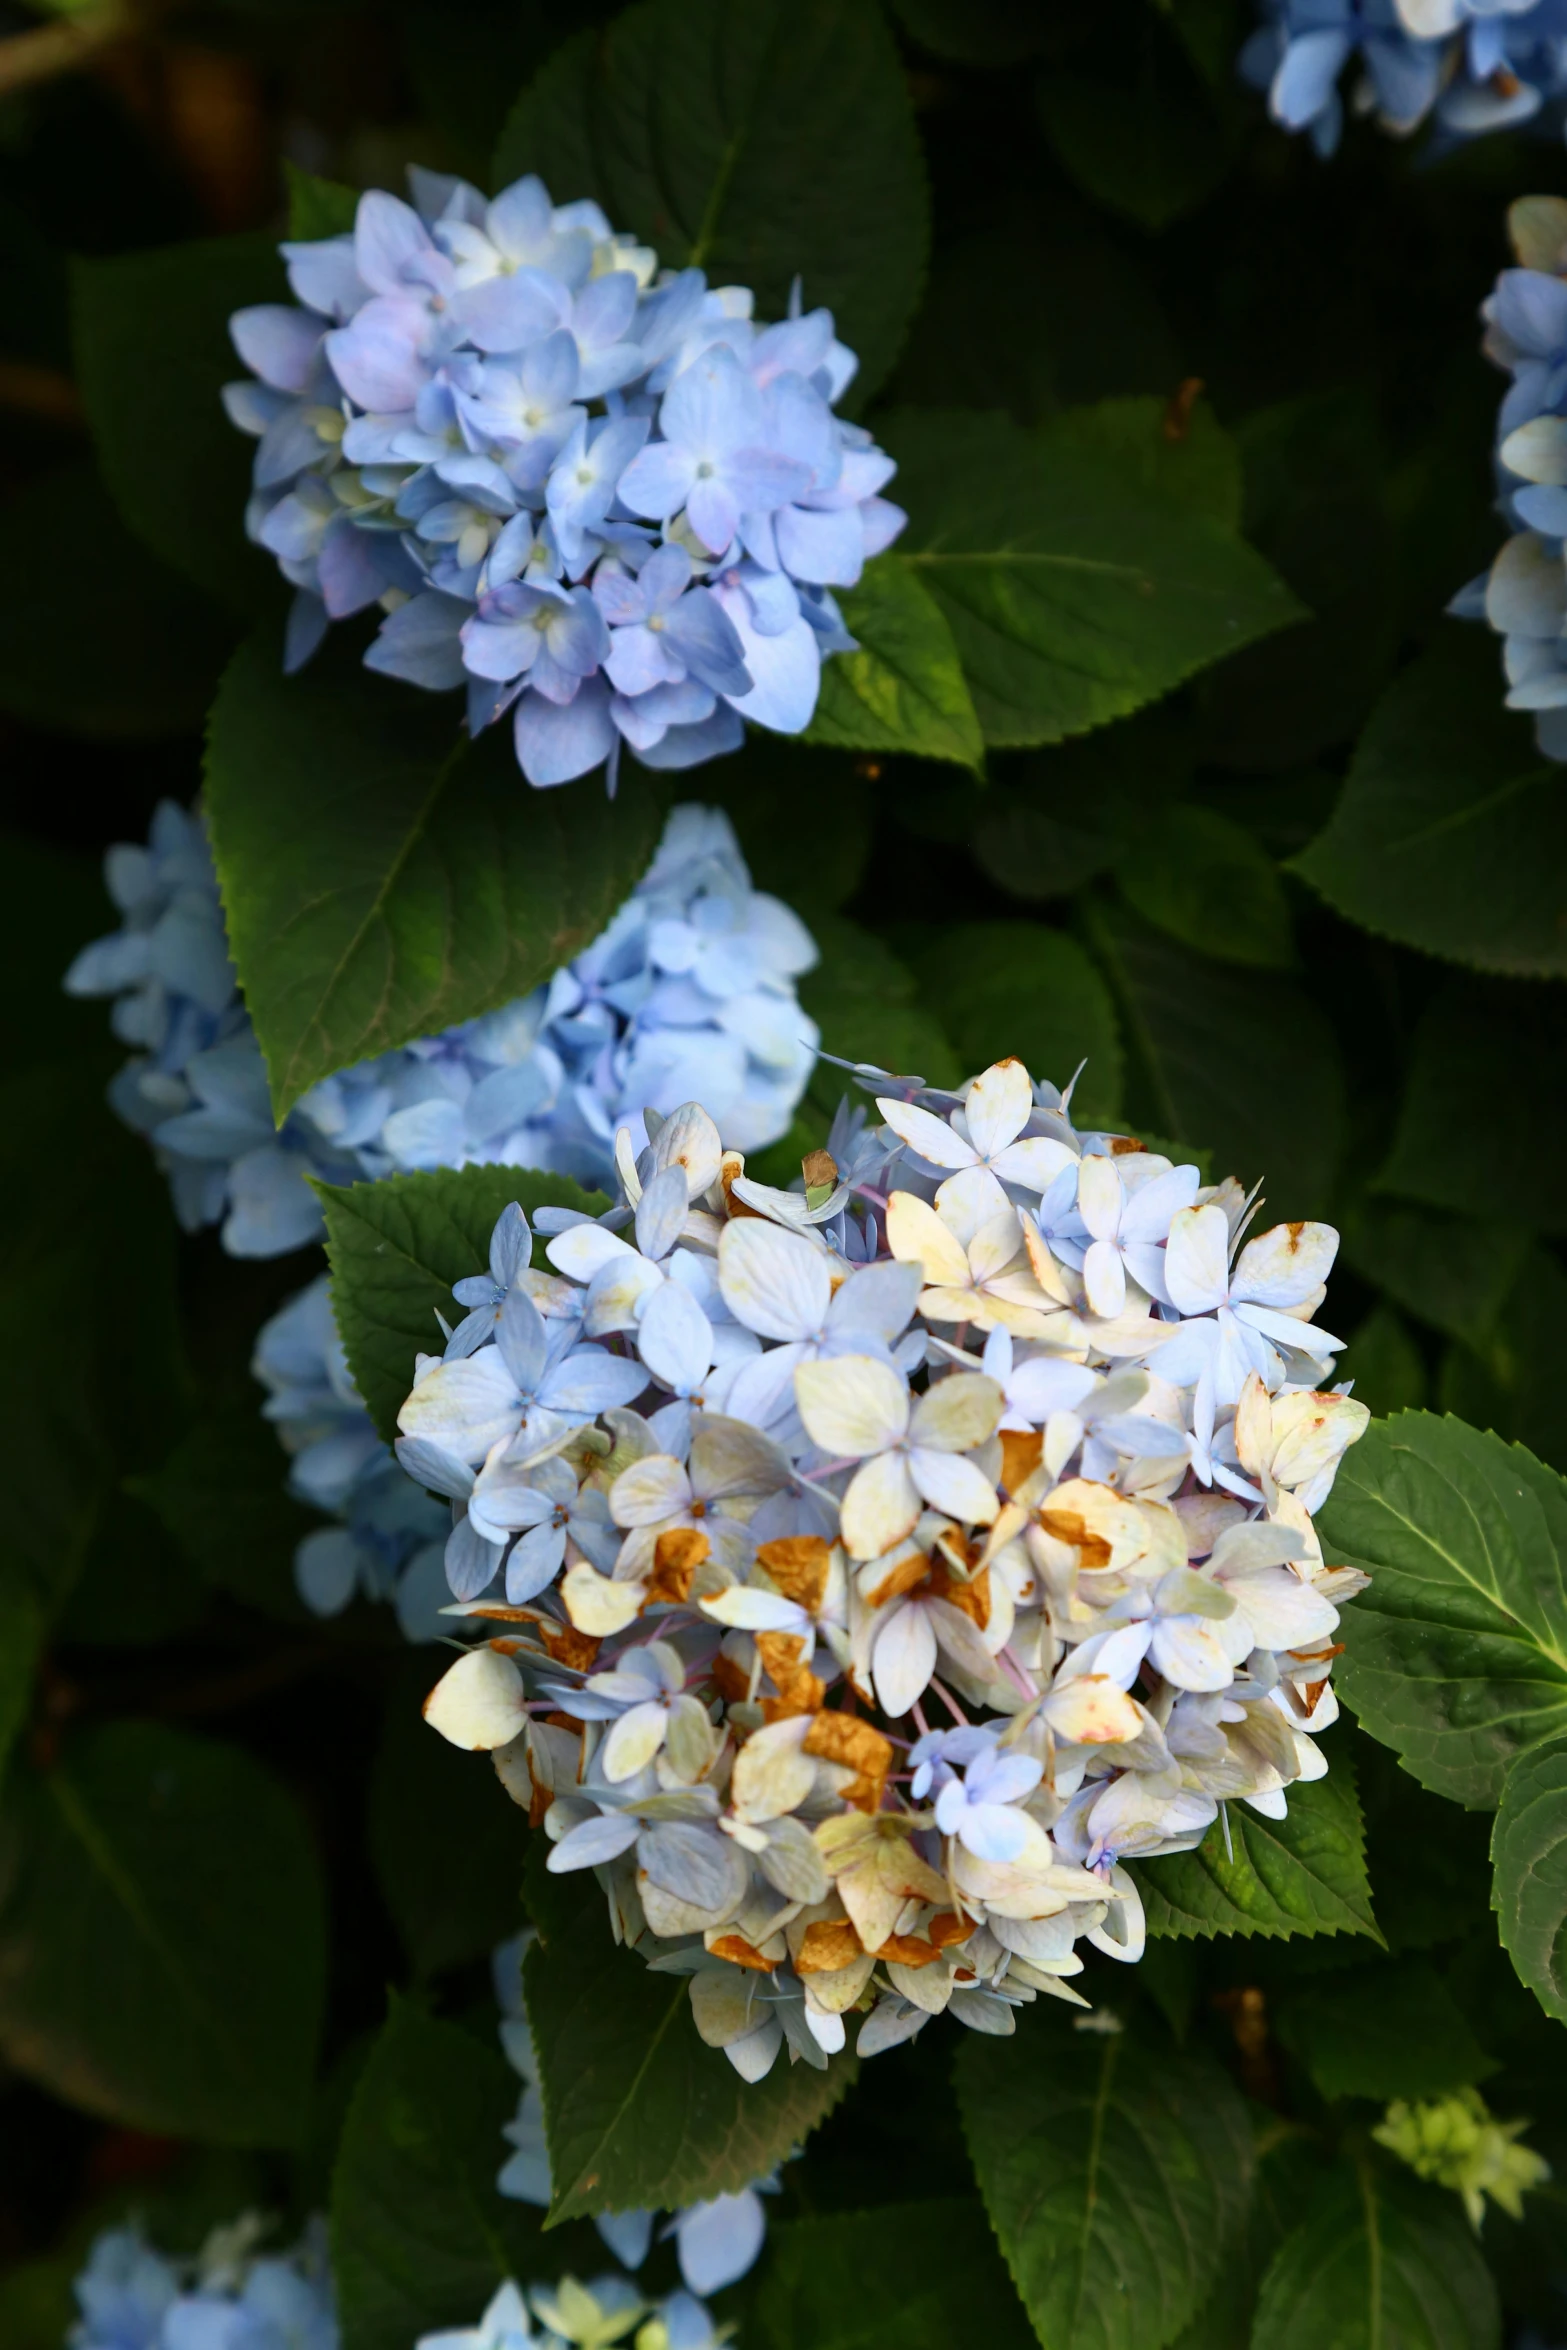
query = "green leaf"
{"x": 1482, "y": 1041}
{"x": 637, "y": 2109}
{"x": 395, "y": 1249}
{"x": 910, "y": 2273}
{"x": 162, "y": 1937}
{"x": 1016, "y": 988}
{"x": 904, "y": 690}
{"x": 1050, "y": 820}
{"x": 1529, "y": 1850}
{"x": 1210, "y": 885}
{"x": 1116, "y": 2176}
{"x": 154, "y": 660}
{"x": 771, "y": 790}
{"x": 795, "y": 153}
{"x": 1457, "y": 1654}
{"x": 22, "y": 1626}
{"x": 452, "y": 1898}
{"x": 1451, "y": 834}
{"x": 1152, "y": 152}
{"x": 1385, "y": 1364}
{"x": 1184, "y": 455}
{"x": 1288, "y": 2167}
{"x": 1456, "y": 1272}
{"x": 1073, "y": 596}
{"x": 864, "y": 1001}
{"x": 1379, "y": 2262}
{"x": 384, "y": 879}
{"x": 152, "y": 356}
{"x": 974, "y": 32}
{"x": 1505, "y": 1377}
{"x": 421, "y": 2237}
{"x": 1390, "y": 2030}
{"x": 318, "y": 207}
{"x": 1304, "y": 1874}
{"x": 222, "y": 1498}
{"x": 1251, "y": 1071}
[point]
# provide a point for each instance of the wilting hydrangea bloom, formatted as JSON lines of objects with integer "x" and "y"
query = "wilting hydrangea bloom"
{"x": 569, "y": 2316}
{"x": 391, "y": 1539}
{"x": 1477, "y": 65}
{"x": 690, "y": 988}
{"x": 1524, "y": 594}
{"x": 716, "y": 2242}
{"x": 230, "y": 2297}
{"x": 921, "y": 1549}
{"x": 601, "y": 497}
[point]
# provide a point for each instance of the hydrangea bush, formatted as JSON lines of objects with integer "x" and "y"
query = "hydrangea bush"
{"x": 843, "y": 1550}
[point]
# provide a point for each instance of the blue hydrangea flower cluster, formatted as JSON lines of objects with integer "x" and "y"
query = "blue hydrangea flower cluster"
{"x": 690, "y": 989}
{"x": 132, "y": 2297}
{"x": 571, "y": 2316}
{"x": 600, "y": 497}
{"x": 1524, "y": 594}
{"x": 1472, "y": 65}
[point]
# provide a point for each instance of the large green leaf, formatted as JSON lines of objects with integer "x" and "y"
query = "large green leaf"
{"x": 1379, "y": 2262}
{"x": 1456, "y": 1272}
{"x": 1304, "y": 1874}
{"x": 1451, "y": 834}
{"x": 1388, "y": 2030}
{"x": 382, "y": 877}
{"x": 221, "y": 1496}
{"x": 911, "y": 2273}
{"x": 1457, "y": 1654}
{"x": 452, "y": 1898}
{"x": 420, "y": 2235}
{"x": 904, "y": 690}
{"x": 752, "y": 139}
{"x": 1529, "y": 1849}
{"x": 637, "y": 2109}
{"x": 162, "y": 1937}
{"x": 1504, "y": 1377}
{"x": 155, "y": 655}
{"x": 1182, "y": 452}
{"x": 865, "y": 1002}
{"x": 1483, "y": 1041}
{"x": 1211, "y": 885}
{"x": 1249, "y": 1070}
{"x": 397, "y": 1246}
{"x": 975, "y": 32}
{"x": 152, "y": 356}
{"x": 1153, "y": 151}
{"x": 1073, "y": 595}
{"x": 1018, "y": 988}
{"x": 1116, "y": 2175}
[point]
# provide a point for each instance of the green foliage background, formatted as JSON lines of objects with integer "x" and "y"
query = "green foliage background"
{"x": 1158, "y": 753}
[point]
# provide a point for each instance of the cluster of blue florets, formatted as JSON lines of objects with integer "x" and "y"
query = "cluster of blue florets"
{"x": 1471, "y": 65}
{"x": 688, "y": 993}
{"x": 230, "y": 2296}
{"x": 601, "y": 497}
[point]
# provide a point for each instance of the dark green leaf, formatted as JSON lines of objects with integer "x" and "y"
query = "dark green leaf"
{"x": 21, "y": 1639}
{"x": 909, "y": 2273}
{"x": 1391, "y": 2030}
{"x": 1305, "y": 1874}
{"x": 772, "y": 792}
{"x": 637, "y": 2109}
{"x": 1454, "y": 1271}
{"x": 863, "y": 999}
{"x": 1116, "y": 2175}
{"x": 382, "y": 878}
{"x": 136, "y": 1588}
{"x": 1451, "y": 834}
{"x": 318, "y": 207}
{"x": 1073, "y": 597}
{"x": 904, "y": 690}
{"x": 420, "y": 2235}
{"x": 222, "y": 1496}
{"x": 1288, "y": 2167}
{"x": 1385, "y": 1364}
{"x": 162, "y": 1937}
{"x": 1249, "y": 1069}
{"x": 397, "y": 1246}
{"x": 1153, "y": 151}
{"x": 1457, "y": 1654}
{"x": 974, "y": 32}
{"x": 1182, "y": 454}
{"x": 1506, "y": 1378}
{"x": 1211, "y": 886}
{"x": 152, "y": 356}
{"x": 1483, "y": 1042}
{"x": 146, "y": 667}
{"x": 795, "y": 153}
{"x": 1016, "y": 988}
{"x": 1379, "y": 2262}
{"x": 1050, "y": 820}
{"x": 452, "y": 1898}
{"x": 1529, "y": 1848}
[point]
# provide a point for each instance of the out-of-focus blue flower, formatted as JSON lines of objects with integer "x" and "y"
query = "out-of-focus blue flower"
{"x": 133, "y": 2298}
{"x": 689, "y": 991}
{"x": 481, "y": 413}
{"x": 1476, "y": 65}
{"x": 392, "y": 1536}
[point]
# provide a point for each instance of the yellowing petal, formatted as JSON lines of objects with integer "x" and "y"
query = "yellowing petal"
{"x": 851, "y": 1405}
{"x": 916, "y": 1235}
{"x": 478, "y": 1705}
